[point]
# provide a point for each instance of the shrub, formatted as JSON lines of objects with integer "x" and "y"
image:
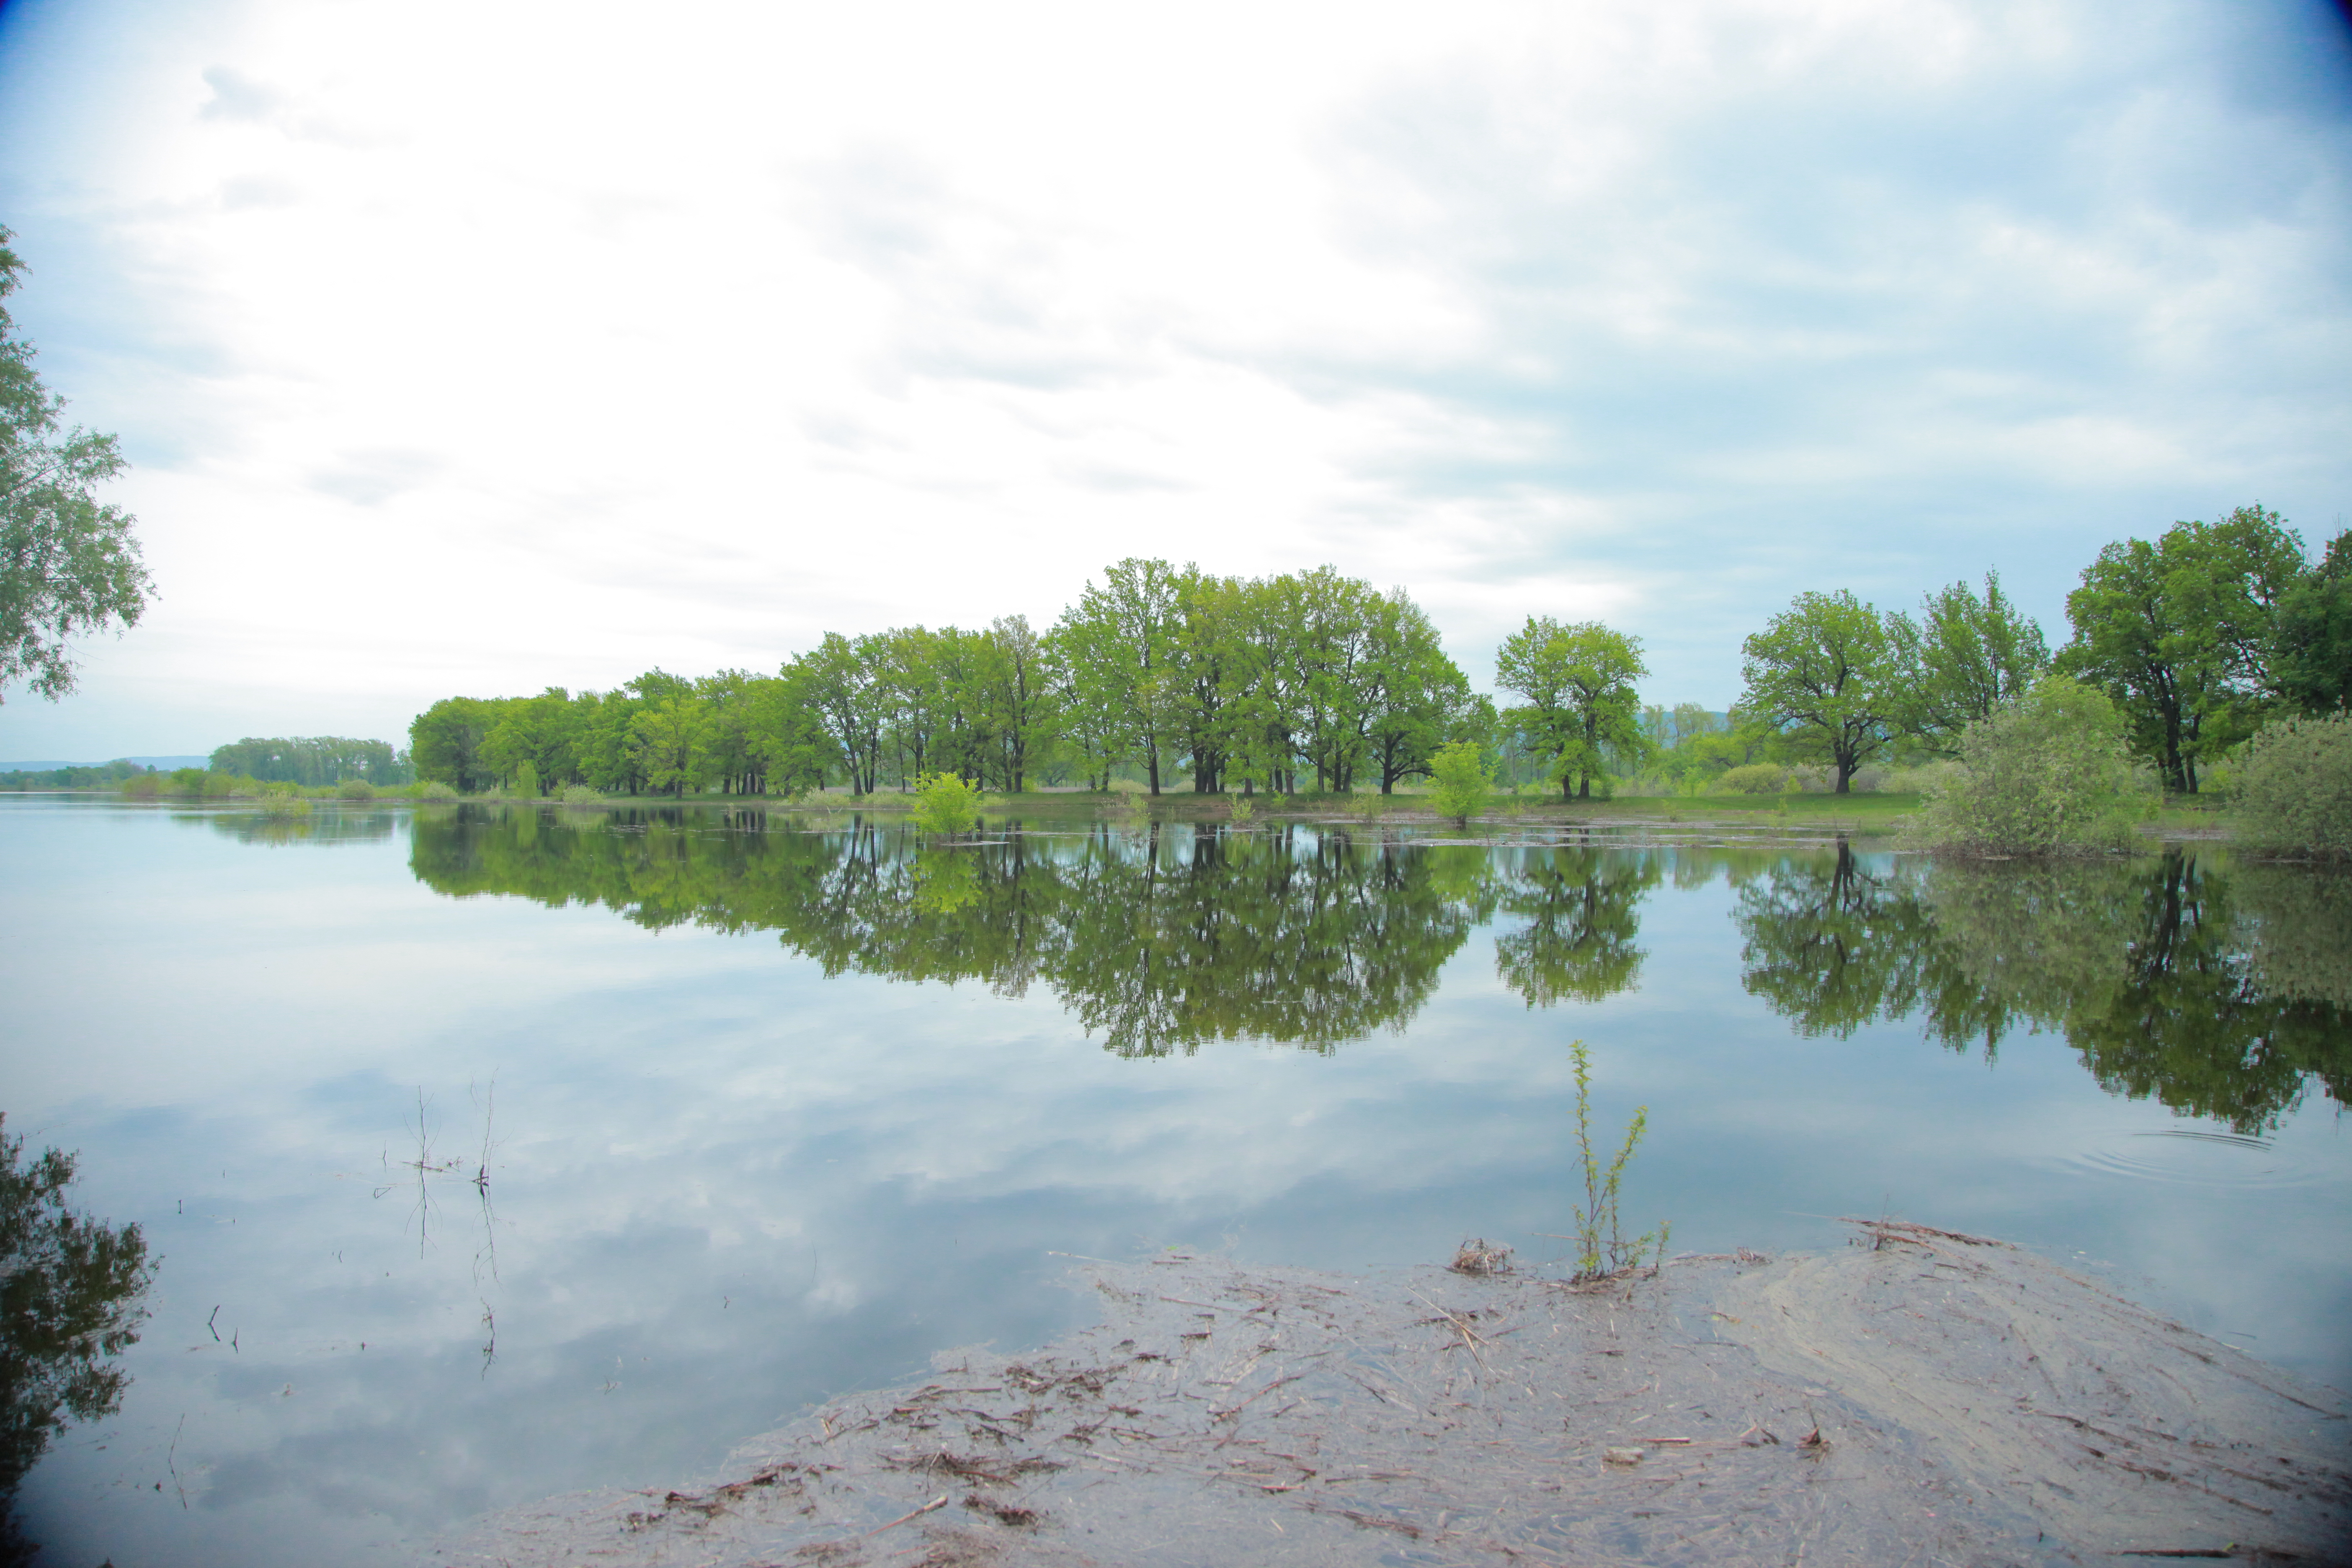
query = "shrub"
{"x": 2047, "y": 773}
{"x": 355, "y": 789}
{"x": 1755, "y": 778}
{"x": 580, "y": 794}
{"x": 2295, "y": 788}
{"x": 142, "y": 786}
{"x": 436, "y": 790}
{"x": 285, "y": 803}
{"x": 1460, "y": 781}
{"x": 945, "y": 804}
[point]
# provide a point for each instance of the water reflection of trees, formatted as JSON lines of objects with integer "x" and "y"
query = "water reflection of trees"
{"x": 2218, "y": 992}
{"x": 1583, "y": 909}
{"x": 326, "y": 825}
{"x": 69, "y": 1303}
{"x": 1159, "y": 939}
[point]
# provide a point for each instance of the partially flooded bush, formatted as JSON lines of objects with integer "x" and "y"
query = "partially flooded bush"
{"x": 580, "y": 795}
{"x": 285, "y": 803}
{"x": 436, "y": 790}
{"x": 2046, "y": 774}
{"x": 143, "y": 786}
{"x": 946, "y": 804}
{"x": 1755, "y": 778}
{"x": 2295, "y": 788}
{"x": 355, "y": 789}
{"x": 1460, "y": 781}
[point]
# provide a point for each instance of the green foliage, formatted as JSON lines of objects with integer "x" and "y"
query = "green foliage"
{"x": 1239, "y": 810}
{"x": 1754, "y": 778}
{"x": 284, "y": 801}
{"x": 1582, "y": 914}
{"x": 1580, "y": 700}
{"x": 70, "y": 1289}
{"x": 68, "y": 564}
{"x": 2049, "y": 773}
{"x": 1964, "y": 658}
{"x": 436, "y": 790}
{"x": 945, "y": 804}
{"x": 2294, "y": 787}
{"x": 1460, "y": 781}
{"x": 2180, "y": 633}
{"x": 2312, "y": 660}
{"x": 312, "y": 760}
{"x": 580, "y": 795}
{"x": 1828, "y": 675}
{"x": 355, "y": 789}
{"x": 1601, "y": 1251}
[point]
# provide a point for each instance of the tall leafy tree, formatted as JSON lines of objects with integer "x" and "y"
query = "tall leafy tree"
{"x": 841, "y": 684}
{"x": 1020, "y": 700}
{"x": 1120, "y": 641}
{"x": 2312, "y": 657}
{"x": 69, "y": 563}
{"x": 1965, "y": 656}
{"x": 1827, "y": 673}
{"x": 2179, "y": 634}
{"x": 1577, "y": 681}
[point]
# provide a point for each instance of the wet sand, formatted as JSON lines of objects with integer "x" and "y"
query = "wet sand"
{"x": 1918, "y": 1397}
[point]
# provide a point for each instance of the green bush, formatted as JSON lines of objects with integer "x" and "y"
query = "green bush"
{"x": 580, "y": 794}
{"x": 945, "y": 804}
{"x": 1755, "y": 778}
{"x": 2295, "y": 788}
{"x": 436, "y": 790}
{"x": 142, "y": 786}
{"x": 355, "y": 789}
{"x": 2048, "y": 773}
{"x": 286, "y": 801}
{"x": 1460, "y": 781}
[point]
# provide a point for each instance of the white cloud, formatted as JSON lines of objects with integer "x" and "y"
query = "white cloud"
{"x": 477, "y": 348}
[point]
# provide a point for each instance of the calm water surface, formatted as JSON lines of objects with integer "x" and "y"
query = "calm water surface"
{"x": 765, "y": 1109}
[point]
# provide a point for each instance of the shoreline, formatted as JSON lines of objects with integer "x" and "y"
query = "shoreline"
{"x": 1920, "y": 1394}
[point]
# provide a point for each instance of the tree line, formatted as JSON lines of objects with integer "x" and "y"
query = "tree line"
{"x": 1313, "y": 680}
{"x": 1306, "y": 680}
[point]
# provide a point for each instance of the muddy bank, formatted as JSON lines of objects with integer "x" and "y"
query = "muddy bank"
{"x": 1918, "y": 1397}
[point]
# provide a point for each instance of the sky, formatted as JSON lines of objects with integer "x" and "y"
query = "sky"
{"x": 475, "y": 348}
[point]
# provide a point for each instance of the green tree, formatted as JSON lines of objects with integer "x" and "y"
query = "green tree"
{"x": 69, "y": 564}
{"x": 670, "y": 734}
{"x": 1120, "y": 643}
{"x": 2179, "y": 634}
{"x": 1964, "y": 658}
{"x": 2311, "y": 663}
{"x": 841, "y": 682}
{"x": 1581, "y": 700}
{"x": 1827, "y": 674}
{"x": 446, "y": 743}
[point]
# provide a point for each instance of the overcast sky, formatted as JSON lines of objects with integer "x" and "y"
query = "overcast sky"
{"x": 472, "y": 348}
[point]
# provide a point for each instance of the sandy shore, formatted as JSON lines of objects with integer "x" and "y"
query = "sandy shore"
{"x": 1920, "y": 1397}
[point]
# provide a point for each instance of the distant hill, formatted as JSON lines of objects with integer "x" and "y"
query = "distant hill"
{"x": 47, "y": 767}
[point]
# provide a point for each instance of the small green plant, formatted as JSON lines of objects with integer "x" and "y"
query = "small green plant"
{"x": 436, "y": 790}
{"x": 1239, "y": 810}
{"x": 581, "y": 795}
{"x": 284, "y": 803}
{"x": 1460, "y": 781}
{"x": 1596, "y": 1258}
{"x": 355, "y": 789}
{"x": 945, "y": 804}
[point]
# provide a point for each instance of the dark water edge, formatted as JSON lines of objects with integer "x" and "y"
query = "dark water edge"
{"x": 858, "y": 1091}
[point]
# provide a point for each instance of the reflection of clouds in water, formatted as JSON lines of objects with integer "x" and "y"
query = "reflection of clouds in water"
{"x": 725, "y": 1185}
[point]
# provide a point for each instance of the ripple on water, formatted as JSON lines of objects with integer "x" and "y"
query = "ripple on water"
{"x": 2192, "y": 1156}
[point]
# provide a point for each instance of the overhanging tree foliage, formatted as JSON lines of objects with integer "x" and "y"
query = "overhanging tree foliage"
{"x": 68, "y": 563}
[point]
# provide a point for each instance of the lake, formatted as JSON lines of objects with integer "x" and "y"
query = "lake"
{"x": 491, "y": 1152}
